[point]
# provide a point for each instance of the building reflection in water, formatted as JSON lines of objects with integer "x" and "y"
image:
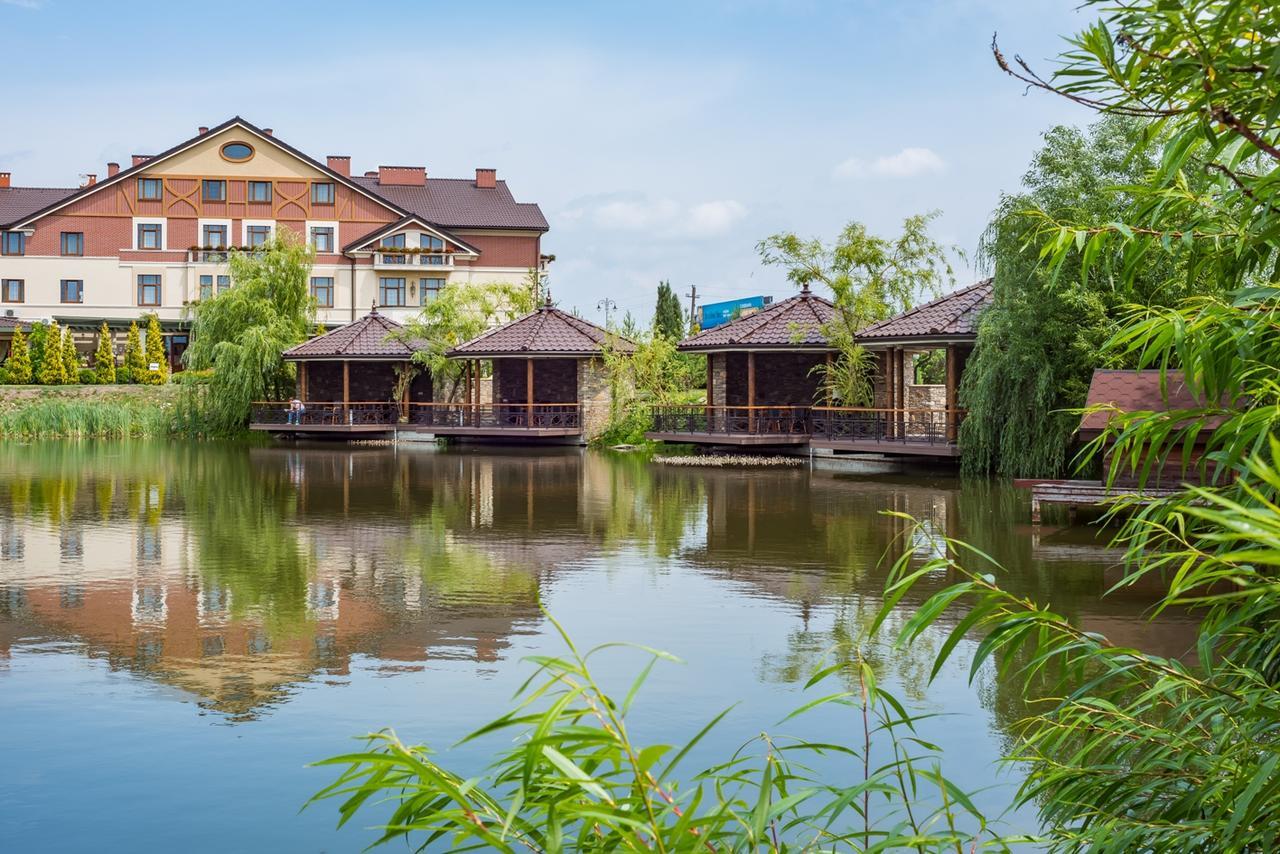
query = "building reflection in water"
{"x": 237, "y": 573}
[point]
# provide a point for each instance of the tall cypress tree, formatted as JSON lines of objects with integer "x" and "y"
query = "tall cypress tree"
{"x": 70, "y": 359}
{"x": 134, "y": 361}
{"x": 668, "y": 317}
{"x": 104, "y": 359}
{"x": 51, "y": 370}
{"x": 39, "y": 334}
{"x": 19, "y": 363}
{"x": 156, "y": 354}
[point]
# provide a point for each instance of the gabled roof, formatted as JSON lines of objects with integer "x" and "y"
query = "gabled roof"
{"x": 1136, "y": 391}
{"x": 459, "y": 203}
{"x": 952, "y": 317}
{"x": 405, "y": 222}
{"x": 364, "y": 340}
{"x": 793, "y": 324}
{"x": 19, "y": 202}
{"x": 546, "y": 331}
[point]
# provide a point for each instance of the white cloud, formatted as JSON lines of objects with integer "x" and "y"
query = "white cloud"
{"x": 23, "y": 4}
{"x": 907, "y": 163}
{"x": 661, "y": 217}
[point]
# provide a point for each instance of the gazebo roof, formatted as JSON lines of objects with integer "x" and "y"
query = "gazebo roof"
{"x": 793, "y": 324}
{"x": 952, "y": 318}
{"x": 1136, "y": 391}
{"x": 546, "y": 331}
{"x": 365, "y": 340}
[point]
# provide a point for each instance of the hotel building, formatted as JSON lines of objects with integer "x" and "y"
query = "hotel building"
{"x": 153, "y": 237}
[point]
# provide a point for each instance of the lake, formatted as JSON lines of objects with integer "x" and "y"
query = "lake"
{"x": 184, "y": 627}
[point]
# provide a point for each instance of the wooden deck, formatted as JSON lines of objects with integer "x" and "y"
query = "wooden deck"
{"x": 1083, "y": 493}
{"x": 910, "y": 447}
{"x": 495, "y": 432}
{"x": 734, "y": 439}
{"x": 330, "y": 429}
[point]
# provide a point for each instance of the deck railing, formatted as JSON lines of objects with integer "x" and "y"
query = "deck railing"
{"x": 865, "y": 424}
{"x": 323, "y": 413}
{"x": 516, "y": 416}
{"x": 751, "y": 420}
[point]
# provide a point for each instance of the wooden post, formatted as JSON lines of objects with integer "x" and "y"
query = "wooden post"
{"x": 826, "y": 378}
{"x": 751, "y": 392}
{"x": 404, "y": 401}
{"x": 346, "y": 390}
{"x": 890, "y": 390}
{"x": 953, "y": 380}
{"x": 710, "y": 381}
{"x": 302, "y": 380}
{"x": 528, "y": 392}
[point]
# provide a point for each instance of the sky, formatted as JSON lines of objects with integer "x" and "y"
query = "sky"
{"x": 663, "y": 140}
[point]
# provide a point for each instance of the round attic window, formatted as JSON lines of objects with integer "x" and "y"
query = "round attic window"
{"x": 237, "y": 152}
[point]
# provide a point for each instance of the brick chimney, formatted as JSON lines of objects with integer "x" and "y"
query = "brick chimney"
{"x": 113, "y": 169}
{"x": 486, "y": 179}
{"x": 269, "y": 131}
{"x": 402, "y": 176}
{"x": 5, "y": 177}
{"x": 202, "y": 130}
{"x": 340, "y": 163}
{"x": 140, "y": 158}
{"x": 89, "y": 180}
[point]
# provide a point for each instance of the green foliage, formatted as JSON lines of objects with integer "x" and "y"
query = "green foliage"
{"x": 1041, "y": 339}
{"x": 192, "y": 377}
{"x": 458, "y": 314}
{"x": 870, "y": 278}
{"x": 104, "y": 359}
{"x": 241, "y": 334}
{"x": 52, "y": 370}
{"x": 39, "y": 335}
{"x": 18, "y": 365}
{"x": 575, "y": 780}
{"x": 654, "y": 374}
{"x": 84, "y": 418}
{"x": 86, "y": 376}
{"x": 135, "y": 362}
{"x": 70, "y": 359}
{"x": 155, "y": 355}
{"x": 124, "y": 376}
{"x": 668, "y": 316}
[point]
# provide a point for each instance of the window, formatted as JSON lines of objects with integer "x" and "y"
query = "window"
{"x": 391, "y": 292}
{"x": 73, "y": 290}
{"x": 213, "y": 191}
{"x": 322, "y": 238}
{"x": 206, "y": 287}
{"x": 148, "y": 289}
{"x": 429, "y": 289}
{"x": 322, "y": 290}
{"x": 395, "y": 241}
{"x": 431, "y": 243}
{"x": 13, "y": 243}
{"x": 322, "y": 194}
{"x": 237, "y": 152}
{"x": 259, "y": 191}
{"x": 73, "y": 243}
{"x": 14, "y": 290}
{"x": 150, "y": 189}
{"x": 214, "y": 237}
{"x": 150, "y": 235}
{"x": 224, "y": 284}
{"x": 257, "y": 235}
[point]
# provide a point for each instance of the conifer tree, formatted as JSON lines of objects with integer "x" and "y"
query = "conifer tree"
{"x": 35, "y": 344}
{"x": 668, "y": 317}
{"x": 134, "y": 360}
{"x": 70, "y": 359}
{"x": 104, "y": 359}
{"x": 156, "y": 354}
{"x": 51, "y": 370}
{"x": 19, "y": 364}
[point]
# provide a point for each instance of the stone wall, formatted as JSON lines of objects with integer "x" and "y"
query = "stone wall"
{"x": 717, "y": 390}
{"x": 595, "y": 397}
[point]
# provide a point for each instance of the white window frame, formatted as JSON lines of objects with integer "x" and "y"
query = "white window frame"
{"x": 244, "y": 229}
{"x": 163, "y": 222}
{"x": 201, "y": 223}
{"x": 325, "y": 223}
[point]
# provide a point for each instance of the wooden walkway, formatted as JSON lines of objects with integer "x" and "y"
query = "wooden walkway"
{"x": 1082, "y": 493}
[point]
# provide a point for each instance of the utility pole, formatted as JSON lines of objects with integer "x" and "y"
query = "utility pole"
{"x": 693, "y": 301}
{"x": 608, "y": 305}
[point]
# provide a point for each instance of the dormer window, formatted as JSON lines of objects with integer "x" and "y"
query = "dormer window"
{"x": 395, "y": 241}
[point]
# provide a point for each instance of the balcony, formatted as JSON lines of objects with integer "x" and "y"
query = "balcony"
{"x": 930, "y": 432}
{"x": 325, "y": 417}
{"x": 407, "y": 259}
{"x": 502, "y": 420}
{"x": 731, "y": 425}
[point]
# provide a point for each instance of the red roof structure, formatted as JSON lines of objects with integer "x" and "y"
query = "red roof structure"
{"x": 18, "y": 202}
{"x": 793, "y": 324}
{"x": 460, "y": 203}
{"x": 950, "y": 319}
{"x": 546, "y": 331}
{"x": 1134, "y": 391}
{"x": 368, "y": 339}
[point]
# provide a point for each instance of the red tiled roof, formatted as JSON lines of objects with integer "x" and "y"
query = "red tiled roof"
{"x": 796, "y": 322}
{"x": 18, "y": 202}
{"x": 546, "y": 331}
{"x": 8, "y": 324}
{"x": 952, "y": 316}
{"x": 459, "y": 203}
{"x": 1135, "y": 391}
{"x": 365, "y": 339}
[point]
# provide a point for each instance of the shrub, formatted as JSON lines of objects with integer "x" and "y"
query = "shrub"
{"x": 87, "y": 376}
{"x": 192, "y": 377}
{"x": 18, "y": 367}
{"x": 124, "y": 376}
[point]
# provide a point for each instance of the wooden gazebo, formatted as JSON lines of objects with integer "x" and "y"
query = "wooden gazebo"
{"x": 549, "y": 381}
{"x": 760, "y": 377}
{"x": 347, "y": 382}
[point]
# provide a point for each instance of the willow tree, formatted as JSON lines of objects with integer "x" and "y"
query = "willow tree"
{"x": 1043, "y": 335}
{"x": 242, "y": 333}
{"x": 870, "y": 278}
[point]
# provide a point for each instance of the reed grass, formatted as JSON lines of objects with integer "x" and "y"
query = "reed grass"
{"x": 84, "y": 418}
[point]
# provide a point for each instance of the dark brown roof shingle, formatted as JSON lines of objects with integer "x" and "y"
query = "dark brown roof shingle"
{"x": 952, "y": 316}
{"x": 459, "y": 203}
{"x": 547, "y": 331}
{"x": 1135, "y": 391}
{"x": 19, "y": 202}
{"x": 365, "y": 339}
{"x": 795, "y": 322}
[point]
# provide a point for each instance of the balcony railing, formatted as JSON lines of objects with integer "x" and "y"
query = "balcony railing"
{"x": 859, "y": 424}
{"x": 317, "y": 413}
{"x": 515, "y": 416}
{"x": 728, "y": 420}
{"x": 393, "y": 258}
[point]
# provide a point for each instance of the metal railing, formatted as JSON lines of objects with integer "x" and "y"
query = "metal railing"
{"x": 751, "y": 420}
{"x": 323, "y": 413}
{"x": 862, "y": 424}
{"x": 517, "y": 416}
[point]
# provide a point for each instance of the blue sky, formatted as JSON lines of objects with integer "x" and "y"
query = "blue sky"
{"x": 663, "y": 140}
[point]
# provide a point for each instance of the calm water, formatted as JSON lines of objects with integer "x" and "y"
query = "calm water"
{"x": 184, "y": 627}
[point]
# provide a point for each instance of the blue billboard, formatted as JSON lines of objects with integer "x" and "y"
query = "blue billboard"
{"x": 719, "y": 313}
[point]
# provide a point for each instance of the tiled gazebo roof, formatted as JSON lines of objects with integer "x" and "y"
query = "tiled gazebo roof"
{"x": 365, "y": 340}
{"x": 793, "y": 324}
{"x": 953, "y": 318}
{"x": 546, "y": 331}
{"x": 1136, "y": 391}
